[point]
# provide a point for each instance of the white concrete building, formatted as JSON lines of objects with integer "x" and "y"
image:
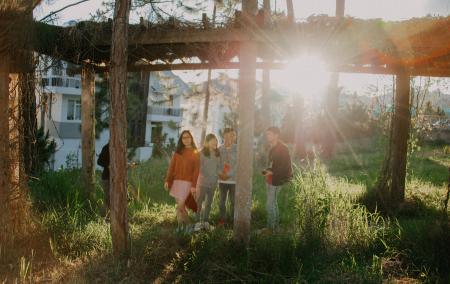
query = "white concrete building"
{"x": 59, "y": 99}
{"x": 223, "y": 103}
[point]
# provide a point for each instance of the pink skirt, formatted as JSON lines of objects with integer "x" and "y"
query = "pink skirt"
{"x": 180, "y": 189}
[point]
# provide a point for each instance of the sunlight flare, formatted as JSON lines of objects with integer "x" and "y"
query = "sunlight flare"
{"x": 306, "y": 75}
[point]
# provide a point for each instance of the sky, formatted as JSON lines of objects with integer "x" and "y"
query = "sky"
{"x": 385, "y": 9}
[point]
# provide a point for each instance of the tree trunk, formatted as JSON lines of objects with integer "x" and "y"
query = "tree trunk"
{"x": 265, "y": 99}
{"x": 246, "y": 112}
{"x": 88, "y": 128}
{"x": 144, "y": 90}
{"x": 300, "y": 151}
{"x": 14, "y": 214}
{"x": 400, "y": 135}
{"x": 4, "y": 150}
{"x": 118, "y": 127}
{"x": 340, "y": 8}
{"x": 332, "y": 104}
{"x": 208, "y": 92}
{"x": 331, "y": 111}
{"x": 290, "y": 11}
{"x": 28, "y": 121}
{"x": 206, "y": 109}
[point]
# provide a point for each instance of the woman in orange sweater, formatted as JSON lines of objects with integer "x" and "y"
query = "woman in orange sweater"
{"x": 181, "y": 178}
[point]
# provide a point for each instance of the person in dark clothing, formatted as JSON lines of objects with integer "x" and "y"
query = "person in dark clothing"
{"x": 278, "y": 173}
{"x": 103, "y": 161}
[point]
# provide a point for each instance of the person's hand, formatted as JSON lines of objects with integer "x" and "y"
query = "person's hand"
{"x": 194, "y": 192}
{"x": 223, "y": 176}
{"x": 166, "y": 185}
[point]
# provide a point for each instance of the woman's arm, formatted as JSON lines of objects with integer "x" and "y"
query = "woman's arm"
{"x": 171, "y": 171}
{"x": 196, "y": 170}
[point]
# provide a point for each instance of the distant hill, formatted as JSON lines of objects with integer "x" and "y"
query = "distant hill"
{"x": 436, "y": 98}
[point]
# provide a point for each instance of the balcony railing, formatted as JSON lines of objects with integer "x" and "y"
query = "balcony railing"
{"x": 165, "y": 111}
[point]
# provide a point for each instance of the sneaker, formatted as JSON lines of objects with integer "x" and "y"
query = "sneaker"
{"x": 198, "y": 226}
{"x": 179, "y": 230}
{"x": 188, "y": 229}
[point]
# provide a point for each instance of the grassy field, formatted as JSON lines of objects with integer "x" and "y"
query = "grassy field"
{"x": 326, "y": 234}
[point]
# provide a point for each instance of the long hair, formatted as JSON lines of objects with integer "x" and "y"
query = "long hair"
{"x": 206, "y": 151}
{"x": 180, "y": 145}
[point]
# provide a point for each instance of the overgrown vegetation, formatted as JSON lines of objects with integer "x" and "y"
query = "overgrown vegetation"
{"x": 326, "y": 235}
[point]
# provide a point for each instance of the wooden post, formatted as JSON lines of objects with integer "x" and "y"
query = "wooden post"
{"x": 118, "y": 128}
{"x": 88, "y": 128}
{"x": 4, "y": 149}
{"x": 265, "y": 99}
{"x": 400, "y": 135}
{"x": 246, "y": 122}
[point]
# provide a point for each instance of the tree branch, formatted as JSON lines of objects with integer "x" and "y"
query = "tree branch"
{"x": 63, "y": 8}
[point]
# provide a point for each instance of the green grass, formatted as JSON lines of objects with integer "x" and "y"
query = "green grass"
{"x": 325, "y": 234}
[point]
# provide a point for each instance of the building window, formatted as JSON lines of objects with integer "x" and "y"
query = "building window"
{"x": 72, "y": 83}
{"x": 156, "y": 132}
{"x": 170, "y": 101}
{"x": 57, "y": 70}
{"x": 45, "y": 82}
{"x": 74, "y": 110}
{"x": 57, "y": 82}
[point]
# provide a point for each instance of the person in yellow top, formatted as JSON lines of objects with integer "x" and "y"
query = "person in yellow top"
{"x": 182, "y": 175}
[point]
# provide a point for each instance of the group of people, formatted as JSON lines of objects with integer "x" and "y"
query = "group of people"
{"x": 194, "y": 175}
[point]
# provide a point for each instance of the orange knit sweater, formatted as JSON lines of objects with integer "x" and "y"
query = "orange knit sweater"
{"x": 184, "y": 167}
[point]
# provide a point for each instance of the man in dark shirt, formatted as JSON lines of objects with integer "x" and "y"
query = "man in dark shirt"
{"x": 278, "y": 173}
{"x": 103, "y": 160}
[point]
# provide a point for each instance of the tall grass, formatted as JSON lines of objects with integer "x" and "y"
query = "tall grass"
{"x": 326, "y": 235}
{"x": 73, "y": 223}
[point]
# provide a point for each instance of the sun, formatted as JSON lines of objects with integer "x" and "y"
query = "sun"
{"x": 305, "y": 75}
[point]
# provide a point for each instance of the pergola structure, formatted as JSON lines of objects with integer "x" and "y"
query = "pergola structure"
{"x": 417, "y": 47}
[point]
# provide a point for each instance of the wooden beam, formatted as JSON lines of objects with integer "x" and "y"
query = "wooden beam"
{"x": 400, "y": 135}
{"x": 118, "y": 128}
{"x": 184, "y": 37}
{"x": 246, "y": 125}
{"x": 440, "y": 71}
{"x": 88, "y": 128}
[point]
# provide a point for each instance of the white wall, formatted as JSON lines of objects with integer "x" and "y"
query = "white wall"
{"x": 72, "y": 147}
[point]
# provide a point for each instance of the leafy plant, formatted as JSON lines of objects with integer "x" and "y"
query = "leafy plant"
{"x": 45, "y": 148}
